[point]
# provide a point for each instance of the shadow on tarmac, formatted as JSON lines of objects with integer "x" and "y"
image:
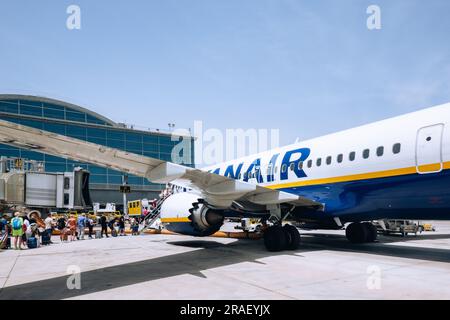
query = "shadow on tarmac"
{"x": 209, "y": 255}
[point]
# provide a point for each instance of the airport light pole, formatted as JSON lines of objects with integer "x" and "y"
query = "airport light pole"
{"x": 124, "y": 194}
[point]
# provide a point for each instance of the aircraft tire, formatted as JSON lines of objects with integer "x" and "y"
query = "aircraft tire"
{"x": 372, "y": 233}
{"x": 275, "y": 239}
{"x": 356, "y": 232}
{"x": 293, "y": 242}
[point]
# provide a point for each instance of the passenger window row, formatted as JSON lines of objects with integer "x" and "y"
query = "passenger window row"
{"x": 396, "y": 148}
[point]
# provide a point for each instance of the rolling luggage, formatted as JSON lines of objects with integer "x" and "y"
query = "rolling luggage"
{"x": 45, "y": 239}
{"x": 114, "y": 232}
{"x": 98, "y": 234}
{"x": 5, "y": 242}
{"x": 32, "y": 243}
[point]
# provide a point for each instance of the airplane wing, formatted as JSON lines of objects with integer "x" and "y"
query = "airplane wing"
{"x": 217, "y": 190}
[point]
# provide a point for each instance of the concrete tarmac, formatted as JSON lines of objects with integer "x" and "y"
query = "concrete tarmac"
{"x": 326, "y": 266}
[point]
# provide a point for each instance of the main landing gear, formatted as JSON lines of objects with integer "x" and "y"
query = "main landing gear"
{"x": 278, "y": 238}
{"x": 358, "y": 232}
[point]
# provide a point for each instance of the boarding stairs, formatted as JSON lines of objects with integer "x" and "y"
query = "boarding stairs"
{"x": 152, "y": 216}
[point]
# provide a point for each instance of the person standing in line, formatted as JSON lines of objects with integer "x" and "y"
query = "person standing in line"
{"x": 72, "y": 225}
{"x": 122, "y": 226}
{"x": 49, "y": 226}
{"x": 17, "y": 230}
{"x": 61, "y": 223}
{"x": 26, "y": 230}
{"x": 111, "y": 225}
{"x": 90, "y": 225}
{"x": 104, "y": 226}
{"x": 134, "y": 227}
{"x": 3, "y": 224}
{"x": 81, "y": 226}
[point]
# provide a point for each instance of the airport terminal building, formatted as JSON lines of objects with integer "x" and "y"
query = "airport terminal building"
{"x": 78, "y": 122}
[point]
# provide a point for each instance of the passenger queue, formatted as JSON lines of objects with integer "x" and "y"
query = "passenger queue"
{"x": 28, "y": 231}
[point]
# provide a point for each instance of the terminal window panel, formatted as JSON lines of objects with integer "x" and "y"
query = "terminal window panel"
{"x": 72, "y": 130}
{"x": 97, "y": 170}
{"x": 98, "y": 178}
{"x": 166, "y": 157}
{"x": 55, "y": 167}
{"x": 50, "y": 158}
{"x": 8, "y": 151}
{"x": 165, "y": 149}
{"x": 133, "y": 137}
{"x": 150, "y": 148}
{"x": 114, "y": 179}
{"x": 54, "y": 114}
{"x": 47, "y": 110}
{"x": 96, "y": 133}
{"x": 75, "y": 116}
{"x": 129, "y": 145}
{"x": 30, "y": 103}
{"x": 55, "y": 127}
{"x": 71, "y": 166}
{"x": 12, "y": 119}
{"x": 31, "y": 110}
{"x": 31, "y": 155}
{"x": 96, "y": 140}
{"x": 10, "y": 107}
{"x": 150, "y": 139}
{"x": 116, "y": 144}
{"x": 133, "y": 180}
{"x": 31, "y": 123}
{"x": 114, "y": 172}
{"x": 115, "y": 134}
{"x": 53, "y": 107}
{"x": 151, "y": 154}
{"x": 92, "y": 119}
{"x": 138, "y": 152}
{"x": 165, "y": 140}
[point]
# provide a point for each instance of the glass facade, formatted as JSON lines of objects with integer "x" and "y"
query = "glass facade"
{"x": 84, "y": 125}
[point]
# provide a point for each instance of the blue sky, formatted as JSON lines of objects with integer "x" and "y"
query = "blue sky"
{"x": 305, "y": 67}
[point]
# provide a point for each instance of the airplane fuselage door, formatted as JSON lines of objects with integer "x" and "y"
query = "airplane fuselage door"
{"x": 429, "y": 149}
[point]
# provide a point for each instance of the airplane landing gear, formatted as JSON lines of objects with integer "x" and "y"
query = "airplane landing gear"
{"x": 293, "y": 241}
{"x": 278, "y": 238}
{"x": 358, "y": 232}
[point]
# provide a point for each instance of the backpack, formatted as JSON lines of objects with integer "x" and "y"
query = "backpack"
{"x": 17, "y": 223}
{"x": 61, "y": 224}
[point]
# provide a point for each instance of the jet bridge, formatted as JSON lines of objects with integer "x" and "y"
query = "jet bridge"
{"x": 24, "y": 183}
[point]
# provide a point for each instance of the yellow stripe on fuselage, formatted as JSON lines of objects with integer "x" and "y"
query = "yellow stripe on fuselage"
{"x": 173, "y": 220}
{"x": 362, "y": 176}
{"x": 435, "y": 167}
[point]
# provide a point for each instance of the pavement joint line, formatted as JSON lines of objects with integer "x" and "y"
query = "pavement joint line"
{"x": 234, "y": 278}
{"x": 355, "y": 251}
{"x": 10, "y": 270}
{"x": 251, "y": 284}
{"x": 363, "y": 273}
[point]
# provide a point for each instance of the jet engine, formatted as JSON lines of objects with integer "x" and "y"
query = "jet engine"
{"x": 185, "y": 213}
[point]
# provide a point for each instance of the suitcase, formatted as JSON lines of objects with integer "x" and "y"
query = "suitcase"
{"x": 45, "y": 239}
{"x": 64, "y": 236}
{"x": 114, "y": 232}
{"x": 4, "y": 242}
{"x": 32, "y": 243}
{"x": 98, "y": 234}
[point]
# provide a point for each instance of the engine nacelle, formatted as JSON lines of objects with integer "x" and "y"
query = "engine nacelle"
{"x": 182, "y": 213}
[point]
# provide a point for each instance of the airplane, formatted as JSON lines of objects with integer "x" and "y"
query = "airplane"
{"x": 396, "y": 168}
